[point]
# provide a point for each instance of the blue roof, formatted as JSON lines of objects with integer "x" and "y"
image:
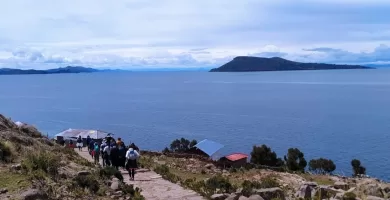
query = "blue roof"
{"x": 209, "y": 147}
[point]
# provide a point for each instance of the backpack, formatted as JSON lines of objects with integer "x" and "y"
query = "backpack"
{"x": 96, "y": 148}
{"x": 132, "y": 155}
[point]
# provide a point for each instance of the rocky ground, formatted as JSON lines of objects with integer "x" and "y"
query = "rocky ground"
{"x": 33, "y": 167}
{"x": 290, "y": 185}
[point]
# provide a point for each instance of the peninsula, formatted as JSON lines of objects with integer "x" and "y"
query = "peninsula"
{"x": 253, "y": 64}
{"x": 61, "y": 70}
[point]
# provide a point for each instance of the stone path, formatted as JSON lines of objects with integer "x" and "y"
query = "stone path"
{"x": 152, "y": 185}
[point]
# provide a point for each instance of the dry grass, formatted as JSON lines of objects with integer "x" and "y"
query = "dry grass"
{"x": 319, "y": 179}
{"x": 13, "y": 181}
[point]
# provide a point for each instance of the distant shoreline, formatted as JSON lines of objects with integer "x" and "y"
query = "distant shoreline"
{"x": 259, "y": 64}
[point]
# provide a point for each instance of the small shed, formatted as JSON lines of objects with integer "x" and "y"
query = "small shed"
{"x": 235, "y": 160}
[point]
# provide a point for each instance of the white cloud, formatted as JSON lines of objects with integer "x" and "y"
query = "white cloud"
{"x": 173, "y": 33}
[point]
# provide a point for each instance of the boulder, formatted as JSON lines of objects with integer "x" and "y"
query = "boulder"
{"x": 33, "y": 194}
{"x": 255, "y": 197}
{"x": 3, "y": 190}
{"x": 369, "y": 197}
{"x": 304, "y": 192}
{"x": 219, "y": 196}
{"x": 341, "y": 185}
{"x": 372, "y": 189}
{"x": 270, "y": 193}
{"x": 209, "y": 166}
{"x": 243, "y": 198}
{"x": 232, "y": 197}
{"x": 312, "y": 184}
{"x": 16, "y": 167}
{"x": 325, "y": 192}
{"x": 115, "y": 185}
{"x": 83, "y": 173}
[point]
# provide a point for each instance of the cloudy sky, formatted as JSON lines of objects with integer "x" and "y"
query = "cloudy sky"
{"x": 190, "y": 33}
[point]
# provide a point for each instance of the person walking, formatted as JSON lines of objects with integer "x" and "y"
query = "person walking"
{"x": 80, "y": 143}
{"x": 96, "y": 153}
{"x": 131, "y": 162}
{"x": 91, "y": 147}
{"x": 106, "y": 153}
{"x": 114, "y": 156}
{"x": 122, "y": 155}
{"x": 89, "y": 141}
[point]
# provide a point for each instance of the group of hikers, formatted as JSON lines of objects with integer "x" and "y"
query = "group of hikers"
{"x": 113, "y": 153}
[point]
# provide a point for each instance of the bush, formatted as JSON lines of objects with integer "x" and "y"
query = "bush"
{"x": 219, "y": 182}
{"x": 357, "y": 167}
{"x": 295, "y": 160}
{"x": 266, "y": 182}
{"x": 183, "y": 145}
{"x": 322, "y": 165}
{"x": 88, "y": 181}
{"x": 5, "y": 152}
{"x": 349, "y": 196}
{"x": 44, "y": 161}
{"x": 108, "y": 172}
{"x": 263, "y": 155}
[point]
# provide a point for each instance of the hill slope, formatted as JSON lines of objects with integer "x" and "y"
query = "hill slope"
{"x": 252, "y": 64}
{"x": 62, "y": 70}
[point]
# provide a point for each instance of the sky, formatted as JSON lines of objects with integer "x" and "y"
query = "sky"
{"x": 130, "y": 34}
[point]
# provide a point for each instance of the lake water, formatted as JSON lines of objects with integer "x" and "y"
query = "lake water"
{"x": 339, "y": 115}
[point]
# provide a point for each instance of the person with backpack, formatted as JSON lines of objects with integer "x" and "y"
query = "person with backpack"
{"x": 131, "y": 162}
{"x": 106, "y": 155}
{"x": 89, "y": 141}
{"x": 80, "y": 143}
{"x": 91, "y": 147}
{"x": 96, "y": 152}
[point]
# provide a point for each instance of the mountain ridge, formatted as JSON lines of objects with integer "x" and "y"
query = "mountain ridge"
{"x": 60, "y": 70}
{"x": 255, "y": 64}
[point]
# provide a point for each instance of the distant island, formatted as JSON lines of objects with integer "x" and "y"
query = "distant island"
{"x": 61, "y": 70}
{"x": 254, "y": 64}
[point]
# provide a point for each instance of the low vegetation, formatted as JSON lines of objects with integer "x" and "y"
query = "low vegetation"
{"x": 357, "y": 168}
{"x": 321, "y": 166}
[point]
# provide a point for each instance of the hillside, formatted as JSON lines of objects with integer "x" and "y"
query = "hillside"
{"x": 62, "y": 70}
{"x": 34, "y": 167}
{"x": 253, "y": 64}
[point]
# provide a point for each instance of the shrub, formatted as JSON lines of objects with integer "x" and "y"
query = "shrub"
{"x": 6, "y": 154}
{"x": 163, "y": 170}
{"x": 263, "y": 155}
{"x": 219, "y": 182}
{"x": 357, "y": 167}
{"x": 129, "y": 189}
{"x": 182, "y": 145}
{"x": 295, "y": 160}
{"x": 88, "y": 181}
{"x": 44, "y": 161}
{"x": 108, "y": 172}
{"x": 322, "y": 165}
{"x": 349, "y": 196}
{"x": 266, "y": 182}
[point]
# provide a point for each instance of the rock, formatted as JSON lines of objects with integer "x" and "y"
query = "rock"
{"x": 372, "y": 189}
{"x": 209, "y": 166}
{"x": 115, "y": 185}
{"x": 33, "y": 194}
{"x": 4, "y": 190}
{"x": 232, "y": 197}
{"x": 312, "y": 184}
{"x": 219, "y": 196}
{"x": 304, "y": 191}
{"x": 83, "y": 173}
{"x": 255, "y": 197}
{"x": 341, "y": 185}
{"x": 118, "y": 193}
{"x": 243, "y": 198}
{"x": 270, "y": 193}
{"x": 369, "y": 197}
{"x": 16, "y": 167}
{"x": 326, "y": 192}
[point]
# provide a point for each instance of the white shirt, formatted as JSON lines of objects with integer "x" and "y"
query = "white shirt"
{"x": 135, "y": 152}
{"x": 107, "y": 149}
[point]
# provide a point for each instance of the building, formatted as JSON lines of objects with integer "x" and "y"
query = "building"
{"x": 235, "y": 160}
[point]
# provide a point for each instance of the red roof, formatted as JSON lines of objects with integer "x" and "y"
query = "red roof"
{"x": 236, "y": 156}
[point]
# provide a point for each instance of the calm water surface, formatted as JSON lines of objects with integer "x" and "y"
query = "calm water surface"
{"x": 340, "y": 115}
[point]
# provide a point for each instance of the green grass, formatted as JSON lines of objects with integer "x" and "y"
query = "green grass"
{"x": 319, "y": 179}
{"x": 13, "y": 182}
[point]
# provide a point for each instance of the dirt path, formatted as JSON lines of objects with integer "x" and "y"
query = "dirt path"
{"x": 152, "y": 185}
